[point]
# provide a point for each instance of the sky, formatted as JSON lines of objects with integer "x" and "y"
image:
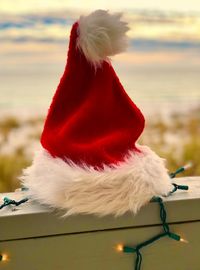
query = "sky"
{"x": 19, "y": 6}
{"x": 48, "y": 20}
{"x": 155, "y": 35}
{"x": 34, "y": 37}
{"x": 160, "y": 31}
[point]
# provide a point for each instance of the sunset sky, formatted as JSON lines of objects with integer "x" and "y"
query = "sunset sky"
{"x": 19, "y": 6}
{"x": 171, "y": 26}
{"x": 34, "y": 37}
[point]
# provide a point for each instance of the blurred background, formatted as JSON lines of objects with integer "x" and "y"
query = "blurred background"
{"x": 160, "y": 71}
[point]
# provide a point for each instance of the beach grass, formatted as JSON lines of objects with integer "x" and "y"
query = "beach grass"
{"x": 176, "y": 140}
{"x": 10, "y": 168}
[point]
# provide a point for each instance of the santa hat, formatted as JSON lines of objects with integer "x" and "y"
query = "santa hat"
{"x": 89, "y": 161}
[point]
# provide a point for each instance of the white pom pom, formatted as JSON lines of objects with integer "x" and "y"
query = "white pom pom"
{"x": 101, "y": 35}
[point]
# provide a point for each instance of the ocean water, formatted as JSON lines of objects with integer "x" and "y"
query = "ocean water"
{"x": 28, "y": 90}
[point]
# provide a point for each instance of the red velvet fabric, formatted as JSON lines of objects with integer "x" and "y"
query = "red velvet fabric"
{"x": 91, "y": 119}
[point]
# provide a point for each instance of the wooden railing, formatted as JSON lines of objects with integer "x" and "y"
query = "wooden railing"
{"x": 35, "y": 237}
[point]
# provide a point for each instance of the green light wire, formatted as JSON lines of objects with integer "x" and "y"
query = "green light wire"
{"x": 166, "y": 232}
{"x": 166, "y": 229}
{"x": 176, "y": 187}
{"x": 8, "y": 201}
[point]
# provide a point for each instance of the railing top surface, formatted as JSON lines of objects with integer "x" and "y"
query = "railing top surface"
{"x": 33, "y": 220}
{"x": 34, "y": 207}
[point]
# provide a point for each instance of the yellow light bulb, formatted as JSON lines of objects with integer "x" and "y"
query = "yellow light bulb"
{"x": 184, "y": 240}
{"x": 4, "y": 257}
{"x": 120, "y": 247}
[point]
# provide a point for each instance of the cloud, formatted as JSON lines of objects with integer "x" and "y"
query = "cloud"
{"x": 150, "y": 30}
{"x": 162, "y": 57}
{"x": 156, "y": 45}
{"x": 23, "y": 6}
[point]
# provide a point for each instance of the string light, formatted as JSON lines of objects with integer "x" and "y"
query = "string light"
{"x": 184, "y": 240}
{"x": 188, "y": 165}
{"x": 163, "y": 217}
{"x": 166, "y": 233}
{"x": 3, "y": 257}
{"x": 119, "y": 247}
{"x": 8, "y": 201}
{"x": 181, "y": 187}
{"x": 181, "y": 169}
{"x": 129, "y": 249}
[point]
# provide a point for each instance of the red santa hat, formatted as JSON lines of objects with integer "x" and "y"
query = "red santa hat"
{"x": 89, "y": 161}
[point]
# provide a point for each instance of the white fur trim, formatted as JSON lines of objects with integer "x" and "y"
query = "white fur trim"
{"x": 113, "y": 190}
{"x": 101, "y": 35}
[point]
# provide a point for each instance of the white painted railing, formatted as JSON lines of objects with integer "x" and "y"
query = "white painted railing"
{"x": 34, "y": 237}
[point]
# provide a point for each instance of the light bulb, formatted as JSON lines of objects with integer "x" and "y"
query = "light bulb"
{"x": 119, "y": 247}
{"x": 184, "y": 240}
{"x": 4, "y": 257}
{"x": 187, "y": 166}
